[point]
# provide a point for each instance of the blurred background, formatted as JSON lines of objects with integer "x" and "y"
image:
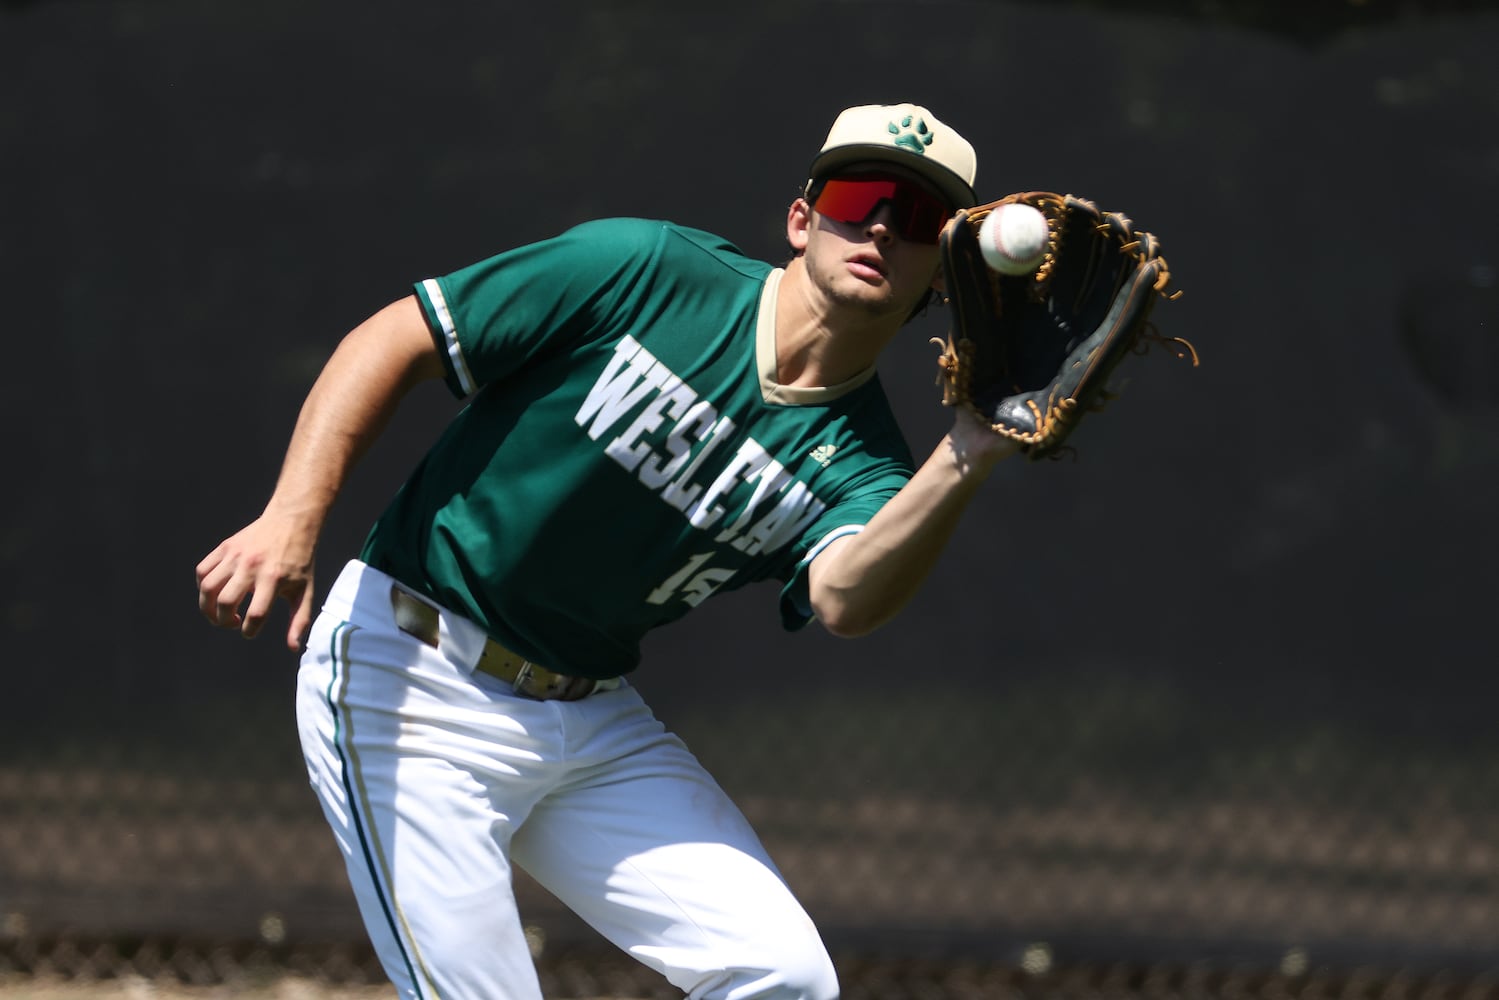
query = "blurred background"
{"x": 1208, "y": 711}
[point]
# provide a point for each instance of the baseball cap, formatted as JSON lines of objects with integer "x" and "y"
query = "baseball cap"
{"x": 904, "y": 134}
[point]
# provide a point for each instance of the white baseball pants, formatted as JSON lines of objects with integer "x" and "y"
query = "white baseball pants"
{"x": 435, "y": 778}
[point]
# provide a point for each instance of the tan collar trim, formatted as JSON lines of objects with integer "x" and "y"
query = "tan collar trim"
{"x": 765, "y": 358}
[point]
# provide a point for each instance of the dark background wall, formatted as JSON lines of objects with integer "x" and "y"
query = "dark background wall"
{"x": 1248, "y": 631}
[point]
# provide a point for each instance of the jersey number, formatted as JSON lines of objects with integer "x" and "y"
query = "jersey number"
{"x": 691, "y": 583}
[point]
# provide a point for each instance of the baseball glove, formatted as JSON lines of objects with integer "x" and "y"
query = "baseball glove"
{"x": 1029, "y": 355}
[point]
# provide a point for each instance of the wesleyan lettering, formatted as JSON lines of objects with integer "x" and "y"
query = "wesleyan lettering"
{"x": 634, "y": 379}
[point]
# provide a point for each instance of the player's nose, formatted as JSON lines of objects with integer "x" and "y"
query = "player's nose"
{"x": 879, "y": 225}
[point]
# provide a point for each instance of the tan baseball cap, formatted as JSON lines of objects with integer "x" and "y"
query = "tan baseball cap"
{"x": 909, "y": 135}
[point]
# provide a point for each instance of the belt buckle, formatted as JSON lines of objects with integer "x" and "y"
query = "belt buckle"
{"x": 533, "y": 681}
{"x": 522, "y": 683}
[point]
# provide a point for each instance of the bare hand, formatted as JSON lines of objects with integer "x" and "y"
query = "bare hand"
{"x": 261, "y": 562}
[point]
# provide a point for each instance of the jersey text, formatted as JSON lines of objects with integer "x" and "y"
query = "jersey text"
{"x": 668, "y": 442}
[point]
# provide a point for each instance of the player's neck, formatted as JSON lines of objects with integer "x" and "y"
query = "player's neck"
{"x": 819, "y": 343}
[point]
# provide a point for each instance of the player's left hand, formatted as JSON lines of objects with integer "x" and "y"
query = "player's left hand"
{"x": 1030, "y": 354}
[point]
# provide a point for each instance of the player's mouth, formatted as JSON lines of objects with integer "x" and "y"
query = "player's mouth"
{"x": 869, "y": 266}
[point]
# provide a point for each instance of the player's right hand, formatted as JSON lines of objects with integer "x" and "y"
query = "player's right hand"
{"x": 259, "y": 563}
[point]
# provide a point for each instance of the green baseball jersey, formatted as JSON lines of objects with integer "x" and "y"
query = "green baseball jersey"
{"x": 625, "y": 451}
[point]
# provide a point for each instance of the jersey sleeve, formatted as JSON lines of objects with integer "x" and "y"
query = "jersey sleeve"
{"x": 493, "y": 317}
{"x": 847, "y": 517}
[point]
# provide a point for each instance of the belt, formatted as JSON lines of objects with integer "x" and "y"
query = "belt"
{"x": 420, "y": 620}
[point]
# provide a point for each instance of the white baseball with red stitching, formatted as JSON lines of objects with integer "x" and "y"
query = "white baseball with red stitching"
{"x": 1013, "y": 239}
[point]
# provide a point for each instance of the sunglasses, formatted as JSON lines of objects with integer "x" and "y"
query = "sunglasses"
{"x": 916, "y": 215}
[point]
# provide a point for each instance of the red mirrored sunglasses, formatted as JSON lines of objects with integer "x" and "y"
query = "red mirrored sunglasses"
{"x": 916, "y": 215}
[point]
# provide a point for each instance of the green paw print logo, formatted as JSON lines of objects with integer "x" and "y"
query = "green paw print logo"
{"x": 912, "y": 134}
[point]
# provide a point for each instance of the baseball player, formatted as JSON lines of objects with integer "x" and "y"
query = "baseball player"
{"x": 652, "y": 417}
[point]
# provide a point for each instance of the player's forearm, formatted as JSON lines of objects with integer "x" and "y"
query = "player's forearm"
{"x": 869, "y": 577}
{"x": 347, "y": 409}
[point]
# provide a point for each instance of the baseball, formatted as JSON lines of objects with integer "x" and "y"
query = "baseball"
{"x": 1013, "y": 239}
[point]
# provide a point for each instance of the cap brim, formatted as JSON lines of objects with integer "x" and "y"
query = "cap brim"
{"x": 953, "y": 187}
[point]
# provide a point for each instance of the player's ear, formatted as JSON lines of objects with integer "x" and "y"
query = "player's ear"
{"x": 939, "y": 281}
{"x": 798, "y": 224}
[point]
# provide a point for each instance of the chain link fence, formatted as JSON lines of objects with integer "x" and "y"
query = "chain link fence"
{"x": 1080, "y": 837}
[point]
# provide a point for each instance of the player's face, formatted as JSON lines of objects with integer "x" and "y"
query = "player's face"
{"x": 870, "y": 240}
